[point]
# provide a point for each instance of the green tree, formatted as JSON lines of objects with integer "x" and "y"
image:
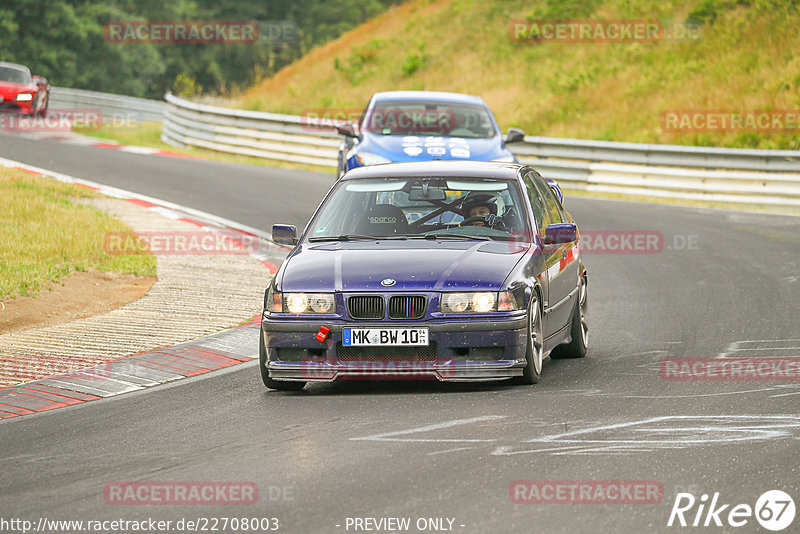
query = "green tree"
{"x": 64, "y": 41}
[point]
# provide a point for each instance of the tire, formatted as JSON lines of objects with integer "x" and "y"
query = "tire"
{"x": 43, "y": 112}
{"x": 534, "y": 353}
{"x": 280, "y": 385}
{"x": 579, "y": 329}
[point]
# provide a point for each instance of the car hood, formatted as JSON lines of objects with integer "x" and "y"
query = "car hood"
{"x": 428, "y": 266}
{"x": 9, "y": 90}
{"x": 400, "y": 148}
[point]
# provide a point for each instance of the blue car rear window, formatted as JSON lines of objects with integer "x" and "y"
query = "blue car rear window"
{"x": 429, "y": 118}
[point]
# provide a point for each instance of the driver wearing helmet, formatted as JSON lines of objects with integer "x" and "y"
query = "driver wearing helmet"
{"x": 480, "y": 209}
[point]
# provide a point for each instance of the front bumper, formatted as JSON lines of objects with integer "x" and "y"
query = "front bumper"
{"x": 12, "y": 106}
{"x": 459, "y": 351}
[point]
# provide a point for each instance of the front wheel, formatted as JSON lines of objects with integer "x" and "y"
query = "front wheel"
{"x": 43, "y": 111}
{"x": 280, "y": 385}
{"x": 579, "y": 330}
{"x": 535, "y": 349}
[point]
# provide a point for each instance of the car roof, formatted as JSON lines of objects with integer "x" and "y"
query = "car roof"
{"x": 14, "y": 66}
{"x": 428, "y": 96}
{"x": 437, "y": 169}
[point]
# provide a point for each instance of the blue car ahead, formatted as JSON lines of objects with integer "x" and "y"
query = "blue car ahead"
{"x": 400, "y": 126}
{"x": 460, "y": 271}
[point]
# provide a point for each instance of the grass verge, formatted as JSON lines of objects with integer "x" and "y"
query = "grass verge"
{"x": 743, "y": 57}
{"x": 45, "y": 235}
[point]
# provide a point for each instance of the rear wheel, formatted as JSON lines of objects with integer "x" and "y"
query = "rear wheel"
{"x": 579, "y": 331}
{"x": 535, "y": 349}
{"x": 280, "y": 385}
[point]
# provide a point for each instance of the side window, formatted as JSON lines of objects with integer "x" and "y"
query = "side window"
{"x": 559, "y": 206}
{"x": 537, "y": 203}
{"x": 554, "y": 209}
{"x": 360, "y": 122}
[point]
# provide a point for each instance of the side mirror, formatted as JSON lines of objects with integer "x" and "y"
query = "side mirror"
{"x": 346, "y": 129}
{"x": 515, "y": 135}
{"x": 556, "y": 234}
{"x": 284, "y": 234}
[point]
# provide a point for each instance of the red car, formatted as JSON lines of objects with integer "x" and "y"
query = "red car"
{"x": 22, "y": 93}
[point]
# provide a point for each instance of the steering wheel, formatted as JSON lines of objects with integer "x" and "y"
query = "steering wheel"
{"x": 490, "y": 220}
{"x": 469, "y": 221}
{"x": 512, "y": 217}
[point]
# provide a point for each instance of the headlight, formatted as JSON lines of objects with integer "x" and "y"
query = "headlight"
{"x": 478, "y": 302}
{"x": 455, "y": 302}
{"x": 483, "y": 302}
{"x": 505, "y": 159}
{"x": 368, "y": 158}
{"x": 322, "y": 303}
{"x": 297, "y": 303}
{"x": 24, "y": 97}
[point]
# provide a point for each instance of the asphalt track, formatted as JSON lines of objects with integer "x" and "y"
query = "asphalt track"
{"x": 725, "y": 284}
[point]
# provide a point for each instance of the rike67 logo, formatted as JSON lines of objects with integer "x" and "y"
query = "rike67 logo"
{"x": 774, "y": 510}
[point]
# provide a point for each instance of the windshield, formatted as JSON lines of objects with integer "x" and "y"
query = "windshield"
{"x": 464, "y": 208}
{"x": 10, "y": 74}
{"x": 429, "y": 118}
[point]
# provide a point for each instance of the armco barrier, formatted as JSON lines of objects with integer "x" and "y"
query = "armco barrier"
{"x": 113, "y": 107}
{"x": 250, "y": 133}
{"x": 670, "y": 155}
{"x": 716, "y": 174}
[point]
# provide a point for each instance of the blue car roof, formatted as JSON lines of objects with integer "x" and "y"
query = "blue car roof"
{"x": 428, "y": 96}
{"x": 436, "y": 169}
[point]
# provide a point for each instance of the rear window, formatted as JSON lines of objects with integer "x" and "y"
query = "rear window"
{"x": 429, "y": 118}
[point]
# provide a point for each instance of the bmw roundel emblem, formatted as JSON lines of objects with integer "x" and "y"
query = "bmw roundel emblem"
{"x": 388, "y": 282}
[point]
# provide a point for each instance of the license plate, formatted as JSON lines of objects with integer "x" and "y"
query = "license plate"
{"x": 383, "y": 337}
